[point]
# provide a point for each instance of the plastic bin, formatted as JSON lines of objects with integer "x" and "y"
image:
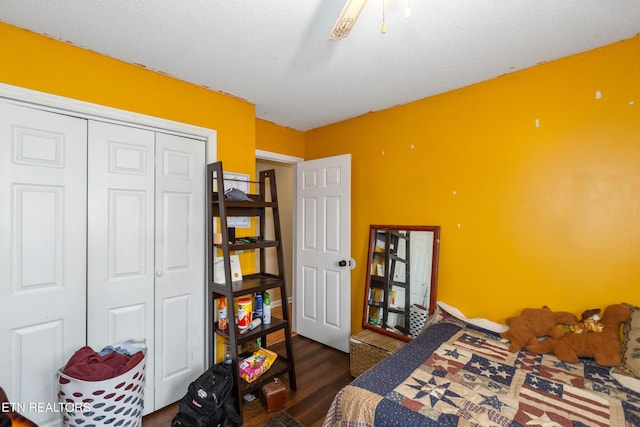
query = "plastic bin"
{"x": 117, "y": 401}
{"x": 418, "y": 316}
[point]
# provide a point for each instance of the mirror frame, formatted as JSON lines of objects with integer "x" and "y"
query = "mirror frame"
{"x": 373, "y": 230}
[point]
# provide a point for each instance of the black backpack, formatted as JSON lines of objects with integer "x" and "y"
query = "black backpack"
{"x": 209, "y": 401}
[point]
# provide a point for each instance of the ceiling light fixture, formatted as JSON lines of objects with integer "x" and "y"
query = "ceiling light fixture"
{"x": 347, "y": 19}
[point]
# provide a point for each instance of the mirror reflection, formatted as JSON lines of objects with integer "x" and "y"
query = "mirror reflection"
{"x": 400, "y": 292}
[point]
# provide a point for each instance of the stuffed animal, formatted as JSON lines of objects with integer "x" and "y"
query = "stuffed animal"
{"x": 533, "y": 323}
{"x": 603, "y": 346}
{"x": 590, "y": 322}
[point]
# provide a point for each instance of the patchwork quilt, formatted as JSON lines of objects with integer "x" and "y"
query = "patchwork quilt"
{"x": 456, "y": 374}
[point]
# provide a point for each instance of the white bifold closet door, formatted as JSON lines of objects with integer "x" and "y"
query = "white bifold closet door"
{"x": 43, "y": 166}
{"x": 145, "y": 257}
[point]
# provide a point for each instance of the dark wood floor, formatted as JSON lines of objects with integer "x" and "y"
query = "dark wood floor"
{"x": 320, "y": 372}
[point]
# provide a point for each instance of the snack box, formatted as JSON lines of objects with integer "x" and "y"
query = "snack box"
{"x": 257, "y": 364}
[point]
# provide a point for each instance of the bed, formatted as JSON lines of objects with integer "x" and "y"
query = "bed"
{"x": 458, "y": 374}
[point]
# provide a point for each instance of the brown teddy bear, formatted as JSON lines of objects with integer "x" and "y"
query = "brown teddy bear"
{"x": 533, "y": 323}
{"x": 603, "y": 346}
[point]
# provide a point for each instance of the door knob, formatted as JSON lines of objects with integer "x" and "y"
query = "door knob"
{"x": 158, "y": 273}
{"x": 350, "y": 262}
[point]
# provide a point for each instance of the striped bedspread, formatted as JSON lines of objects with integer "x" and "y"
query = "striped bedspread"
{"x": 455, "y": 374}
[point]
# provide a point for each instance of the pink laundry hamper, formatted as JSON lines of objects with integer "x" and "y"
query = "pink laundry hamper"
{"x": 117, "y": 401}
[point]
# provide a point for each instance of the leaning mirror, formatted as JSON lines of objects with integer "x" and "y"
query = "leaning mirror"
{"x": 400, "y": 292}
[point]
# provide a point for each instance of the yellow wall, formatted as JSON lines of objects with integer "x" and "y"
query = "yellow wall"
{"x": 35, "y": 62}
{"x": 278, "y": 139}
{"x": 547, "y": 215}
{"x": 530, "y": 214}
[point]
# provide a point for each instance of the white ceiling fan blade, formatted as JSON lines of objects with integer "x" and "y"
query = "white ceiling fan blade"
{"x": 347, "y": 19}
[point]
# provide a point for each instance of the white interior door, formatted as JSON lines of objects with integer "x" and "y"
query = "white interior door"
{"x": 180, "y": 257}
{"x": 121, "y": 240}
{"x": 421, "y": 248}
{"x": 42, "y": 251}
{"x": 323, "y": 240}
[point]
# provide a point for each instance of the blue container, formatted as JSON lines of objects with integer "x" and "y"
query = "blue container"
{"x": 257, "y": 307}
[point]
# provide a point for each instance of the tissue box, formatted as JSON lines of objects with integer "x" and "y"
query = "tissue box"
{"x": 274, "y": 396}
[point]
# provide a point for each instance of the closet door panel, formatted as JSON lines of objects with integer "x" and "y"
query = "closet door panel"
{"x": 121, "y": 240}
{"x": 42, "y": 251}
{"x": 180, "y": 253}
{"x": 175, "y": 317}
{"x": 177, "y": 221}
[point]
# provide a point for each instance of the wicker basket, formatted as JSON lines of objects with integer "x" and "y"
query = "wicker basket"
{"x": 367, "y": 348}
{"x": 117, "y": 401}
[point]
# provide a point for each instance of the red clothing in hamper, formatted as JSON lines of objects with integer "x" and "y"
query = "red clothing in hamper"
{"x": 87, "y": 365}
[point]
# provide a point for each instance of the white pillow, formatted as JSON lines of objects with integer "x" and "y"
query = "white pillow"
{"x": 477, "y": 321}
{"x": 627, "y": 381}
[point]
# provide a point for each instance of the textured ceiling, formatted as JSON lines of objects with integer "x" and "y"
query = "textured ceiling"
{"x": 277, "y": 54}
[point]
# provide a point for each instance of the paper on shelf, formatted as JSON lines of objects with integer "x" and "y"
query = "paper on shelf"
{"x": 218, "y": 269}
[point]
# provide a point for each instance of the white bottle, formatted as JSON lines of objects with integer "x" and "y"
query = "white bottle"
{"x": 266, "y": 308}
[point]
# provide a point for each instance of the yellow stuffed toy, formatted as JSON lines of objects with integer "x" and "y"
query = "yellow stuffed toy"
{"x": 590, "y": 322}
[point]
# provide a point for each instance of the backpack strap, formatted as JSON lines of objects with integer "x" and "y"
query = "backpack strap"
{"x": 232, "y": 413}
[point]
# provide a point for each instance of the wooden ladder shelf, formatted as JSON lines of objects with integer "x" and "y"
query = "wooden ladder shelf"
{"x": 219, "y": 207}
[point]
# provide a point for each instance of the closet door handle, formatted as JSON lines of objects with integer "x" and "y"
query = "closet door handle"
{"x": 158, "y": 273}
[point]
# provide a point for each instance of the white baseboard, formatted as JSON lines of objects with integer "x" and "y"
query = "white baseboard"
{"x": 278, "y": 303}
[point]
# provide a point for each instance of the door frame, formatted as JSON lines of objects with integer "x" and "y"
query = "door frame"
{"x": 289, "y": 160}
{"x": 277, "y": 157}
